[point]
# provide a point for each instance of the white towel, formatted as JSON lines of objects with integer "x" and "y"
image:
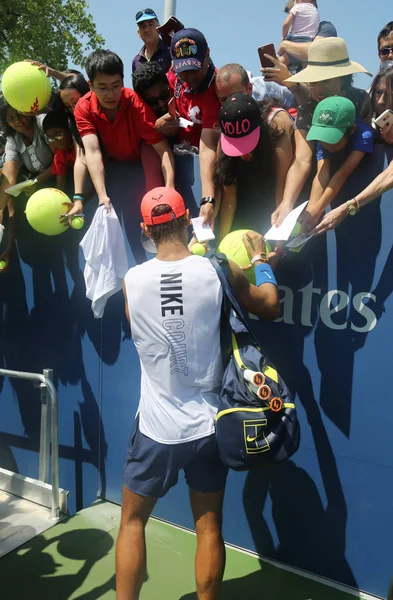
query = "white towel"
{"x": 106, "y": 259}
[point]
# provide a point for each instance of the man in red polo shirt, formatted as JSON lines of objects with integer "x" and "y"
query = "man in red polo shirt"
{"x": 192, "y": 84}
{"x": 113, "y": 122}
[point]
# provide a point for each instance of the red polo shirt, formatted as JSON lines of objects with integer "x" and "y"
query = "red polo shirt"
{"x": 121, "y": 139}
{"x": 62, "y": 161}
{"x": 201, "y": 108}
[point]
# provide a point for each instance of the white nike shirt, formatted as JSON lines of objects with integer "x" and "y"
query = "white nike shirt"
{"x": 175, "y": 310}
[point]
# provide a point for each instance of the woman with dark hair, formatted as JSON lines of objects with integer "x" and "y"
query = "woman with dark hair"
{"x": 248, "y": 166}
{"x": 381, "y": 94}
{"x": 26, "y": 152}
{"x": 71, "y": 89}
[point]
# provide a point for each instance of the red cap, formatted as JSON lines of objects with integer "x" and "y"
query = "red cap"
{"x": 157, "y": 197}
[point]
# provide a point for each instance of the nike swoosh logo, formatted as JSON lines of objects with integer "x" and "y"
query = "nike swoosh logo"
{"x": 254, "y": 439}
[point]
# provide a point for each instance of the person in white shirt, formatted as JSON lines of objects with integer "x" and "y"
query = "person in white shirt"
{"x": 173, "y": 303}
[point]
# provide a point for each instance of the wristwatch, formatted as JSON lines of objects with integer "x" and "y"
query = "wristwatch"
{"x": 261, "y": 256}
{"x": 352, "y": 207}
{"x": 207, "y": 200}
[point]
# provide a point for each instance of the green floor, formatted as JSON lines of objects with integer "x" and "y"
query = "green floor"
{"x": 75, "y": 560}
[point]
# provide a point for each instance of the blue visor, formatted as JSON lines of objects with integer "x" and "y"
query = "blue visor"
{"x": 145, "y": 16}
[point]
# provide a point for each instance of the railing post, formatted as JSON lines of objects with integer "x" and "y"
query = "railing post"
{"x": 43, "y": 474}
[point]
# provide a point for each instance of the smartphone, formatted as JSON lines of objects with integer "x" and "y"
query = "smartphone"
{"x": 172, "y": 107}
{"x": 386, "y": 119}
{"x": 203, "y": 233}
{"x": 168, "y": 29}
{"x": 267, "y": 49}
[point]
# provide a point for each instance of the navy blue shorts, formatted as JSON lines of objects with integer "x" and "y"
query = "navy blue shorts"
{"x": 151, "y": 468}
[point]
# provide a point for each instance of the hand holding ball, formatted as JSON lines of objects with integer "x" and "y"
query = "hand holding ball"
{"x": 3, "y": 265}
{"x": 233, "y": 247}
{"x": 25, "y": 87}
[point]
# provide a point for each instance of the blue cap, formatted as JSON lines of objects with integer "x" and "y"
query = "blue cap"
{"x": 188, "y": 50}
{"x": 147, "y": 14}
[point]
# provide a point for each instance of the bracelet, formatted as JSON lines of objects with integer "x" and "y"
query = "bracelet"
{"x": 80, "y": 197}
{"x": 264, "y": 274}
{"x": 206, "y": 200}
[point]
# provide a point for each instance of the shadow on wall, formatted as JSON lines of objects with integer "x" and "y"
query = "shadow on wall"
{"x": 43, "y": 317}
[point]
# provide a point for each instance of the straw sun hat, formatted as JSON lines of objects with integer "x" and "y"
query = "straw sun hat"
{"x": 327, "y": 58}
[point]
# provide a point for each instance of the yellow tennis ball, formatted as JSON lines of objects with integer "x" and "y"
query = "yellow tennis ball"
{"x": 25, "y": 87}
{"x": 44, "y": 209}
{"x": 77, "y": 222}
{"x": 233, "y": 247}
{"x": 3, "y": 264}
{"x": 198, "y": 249}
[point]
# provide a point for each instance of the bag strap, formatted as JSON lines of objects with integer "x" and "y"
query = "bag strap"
{"x": 221, "y": 265}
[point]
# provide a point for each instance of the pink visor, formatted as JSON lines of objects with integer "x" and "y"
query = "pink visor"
{"x": 239, "y": 146}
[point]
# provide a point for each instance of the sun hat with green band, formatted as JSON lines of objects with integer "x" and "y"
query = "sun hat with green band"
{"x": 331, "y": 119}
{"x": 327, "y": 58}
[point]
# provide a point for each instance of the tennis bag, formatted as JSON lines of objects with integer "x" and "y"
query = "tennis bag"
{"x": 256, "y": 422}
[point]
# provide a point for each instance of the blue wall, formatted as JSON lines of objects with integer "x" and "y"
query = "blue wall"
{"x": 329, "y": 509}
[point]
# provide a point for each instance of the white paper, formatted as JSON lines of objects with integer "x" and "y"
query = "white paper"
{"x": 203, "y": 233}
{"x": 185, "y": 123}
{"x": 284, "y": 231}
{"x": 18, "y": 188}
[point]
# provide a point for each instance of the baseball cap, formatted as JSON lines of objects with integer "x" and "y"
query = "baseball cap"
{"x": 188, "y": 50}
{"x": 145, "y": 15}
{"x": 240, "y": 120}
{"x": 331, "y": 119}
{"x": 157, "y": 197}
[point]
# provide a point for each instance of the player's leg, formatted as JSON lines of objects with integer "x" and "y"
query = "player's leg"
{"x": 206, "y": 477}
{"x": 131, "y": 545}
{"x": 210, "y": 554}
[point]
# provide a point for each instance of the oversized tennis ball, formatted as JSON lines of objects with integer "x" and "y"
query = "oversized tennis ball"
{"x": 77, "y": 222}
{"x": 25, "y": 87}
{"x": 3, "y": 265}
{"x": 43, "y": 210}
{"x": 297, "y": 229}
{"x": 234, "y": 249}
{"x": 198, "y": 249}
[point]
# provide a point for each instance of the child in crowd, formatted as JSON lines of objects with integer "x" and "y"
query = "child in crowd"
{"x": 301, "y": 25}
{"x": 341, "y": 136}
{"x": 60, "y": 141}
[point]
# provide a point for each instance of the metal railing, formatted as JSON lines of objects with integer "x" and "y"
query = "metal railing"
{"x": 49, "y": 415}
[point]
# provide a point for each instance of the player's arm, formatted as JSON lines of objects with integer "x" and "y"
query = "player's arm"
{"x": 126, "y": 303}
{"x": 261, "y": 299}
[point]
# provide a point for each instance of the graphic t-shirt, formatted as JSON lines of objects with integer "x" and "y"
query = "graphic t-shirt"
{"x": 201, "y": 108}
{"x": 175, "y": 310}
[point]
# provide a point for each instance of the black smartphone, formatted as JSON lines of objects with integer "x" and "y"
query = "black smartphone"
{"x": 267, "y": 49}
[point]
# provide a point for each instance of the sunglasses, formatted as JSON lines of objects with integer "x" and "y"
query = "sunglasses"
{"x": 55, "y": 138}
{"x": 162, "y": 97}
{"x": 385, "y": 51}
{"x": 146, "y": 11}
